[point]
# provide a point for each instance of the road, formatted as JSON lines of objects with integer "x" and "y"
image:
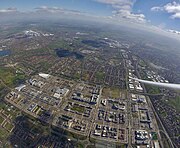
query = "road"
{"x": 153, "y": 109}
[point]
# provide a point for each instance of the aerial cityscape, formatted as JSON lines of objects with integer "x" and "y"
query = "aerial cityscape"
{"x": 69, "y": 79}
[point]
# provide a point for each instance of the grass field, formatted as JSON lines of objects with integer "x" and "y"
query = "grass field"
{"x": 100, "y": 75}
{"x": 3, "y": 134}
{"x": 115, "y": 92}
{"x": 9, "y": 77}
{"x": 1, "y": 119}
{"x": 80, "y": 109}
{"x": 175, "y": 102}
{"x": 9, "y": 126}
{"x": 111, "y": 92}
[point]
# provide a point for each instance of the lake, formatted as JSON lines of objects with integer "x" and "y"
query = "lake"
{"x": 4, "y": 53}
{"x": 95, "y": 44}
{"x": 68, "y": 53}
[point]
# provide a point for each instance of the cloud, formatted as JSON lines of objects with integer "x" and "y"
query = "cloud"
{"x": 49, "y": 9}
{"x": 123, "y": 9}
{"x": 171, "y": 8}
{"x": 126, "y": 4}
{"x": 57, "y": 10}
{"x": 131, "y": 16}
{"x": 156, "y": 8}
{"x": 174, "y": 31}
{"x": 8, "y": 10}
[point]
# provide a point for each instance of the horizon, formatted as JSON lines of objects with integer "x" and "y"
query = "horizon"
{"x": 162, "y": 16}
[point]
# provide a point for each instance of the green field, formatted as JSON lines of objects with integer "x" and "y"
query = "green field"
{"x": 154, "y": 136}
{"x": 100, "y": 75}
{"x": 153, "y": 89}
{"x": 115, "y": 92}
{"x": 175, "y": 102}
{"x": 79, "y": 109}
{"x": 3, "y": 134}
{"x": 13, "y": 111}
{"x": 9, "y": 77}
{"x": 1, "y": 119}
{"x": 9, "y": 126}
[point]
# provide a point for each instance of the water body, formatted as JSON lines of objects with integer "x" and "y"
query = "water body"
{"x": 67, "y": 53}
{"x": 95, "y": 44}
{"x": 4, "y": 53}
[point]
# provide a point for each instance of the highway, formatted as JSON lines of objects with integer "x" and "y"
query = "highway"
{"x": 154, "y": 111}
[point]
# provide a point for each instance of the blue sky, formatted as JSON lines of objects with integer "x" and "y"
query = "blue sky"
{"x": 164, "y": 14}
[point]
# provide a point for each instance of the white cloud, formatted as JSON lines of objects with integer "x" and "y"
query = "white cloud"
{"x": 8, "y": 10}
{"x": 174, "y": 31}
{"x": 123, "y": 9}
{"x": 131, "y": 16}
{"x": 172, "y": 8}
{"x": 57, "y": 10}
{"x": 156, "y": 8}
{"x": 49, "y": 9}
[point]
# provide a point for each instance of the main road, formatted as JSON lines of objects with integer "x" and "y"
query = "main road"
{"x": 152, "y": 107}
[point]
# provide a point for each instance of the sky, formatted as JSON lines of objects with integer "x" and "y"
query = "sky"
{"x": 163, "y": 14}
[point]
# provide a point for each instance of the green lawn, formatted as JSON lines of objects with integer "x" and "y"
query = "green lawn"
{"x": 9, "y": 76}
{"x": 1, "y": 119}
{"x": 9, "y": 126}
{"x": 80, "y": 109}
{"x": 77, "y": 75}
{"x": 115, "y": 92}
{"x": 14, "y": 112}
{"x": 3, "y": 134}
{"x": 100, "y": 75}
{"x": 154, "y": 136}
{"x": 153, "y": 89}
{"x": 175, "y": 102}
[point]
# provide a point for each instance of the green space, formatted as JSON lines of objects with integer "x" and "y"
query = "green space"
{"x": 77, "y": 75}
{"x": 90, "y": 146}
{"x": 106, "y": 92}
{"x": 13, "y": 111}
{"x": 154, "y": 136}
{"x": 175, "y": 102}
{"x": 153, "y": 89}
{"x": 9, "y": 126}
{"x": 1, "y": 86}
{"x": 135, "y": 115}
{"x": 9, "y": 77}
{"x": 163, "y": 114}
{"x": 80, "y": 145}
{"x": 115, "y": 92}
{"x": 100, "y": 75}
{"x": 85, "y": 76}
{"x": 1, "y": 119}
{"x": 3, "y": 134}
{"x": 121, "y": 145}
{"x": 142, "y": 63}
{"x": 78, "y": 108}
{"x": 60, "y": 44}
